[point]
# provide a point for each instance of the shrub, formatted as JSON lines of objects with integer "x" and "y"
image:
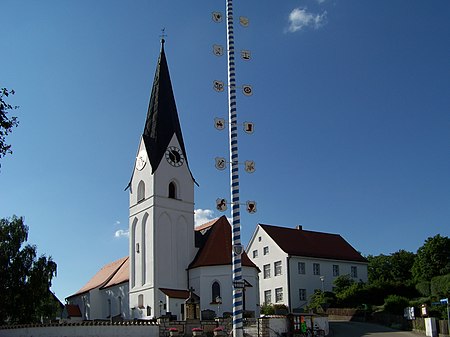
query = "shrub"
{"x": 395, "y": 304}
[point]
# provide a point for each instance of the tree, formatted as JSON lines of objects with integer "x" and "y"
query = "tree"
{"x": 391, "y": 268}
{"x": 25, "y": 280}
{"x": 433, "y": 259}
{"x": 6, "y": 123}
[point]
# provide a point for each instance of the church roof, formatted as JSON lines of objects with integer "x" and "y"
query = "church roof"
{"x": 216, "y": 245}
{"x": 299, "y": 242}
{"x": 105, "y": 275}
{"x": 175, "y": 293}
{"x": 122, "y": 275}
{"x": 162, "y": 117}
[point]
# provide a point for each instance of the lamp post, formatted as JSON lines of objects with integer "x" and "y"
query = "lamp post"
{"x": 322, "y": 279}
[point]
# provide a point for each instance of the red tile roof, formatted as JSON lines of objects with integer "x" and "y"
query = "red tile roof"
{"x": 175, "y": 293}
{"x": 103, "y": 276}
{"x": 299, "y": 242}
{"x": 217, "y": 249}
{"x": 73, "y": 310}
{"x": 122, "y": 275}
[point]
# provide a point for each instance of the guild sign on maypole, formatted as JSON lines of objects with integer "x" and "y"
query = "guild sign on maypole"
{"x": 221, "y": 162}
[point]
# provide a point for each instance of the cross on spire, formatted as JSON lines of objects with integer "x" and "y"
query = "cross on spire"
{"x": 163, "y": 35}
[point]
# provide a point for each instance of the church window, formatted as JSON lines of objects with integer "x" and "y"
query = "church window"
{"x": 172, "y": 190}
{"x": 109, "y": 308}
{"x": 141, "y": 301}
{"x": 141, "y": 191}
{"x": 149, "y": 311}
{"x": 215, "y": 289}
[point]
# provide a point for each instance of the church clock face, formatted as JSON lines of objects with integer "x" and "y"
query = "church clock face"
{"x": 141, "y": 159}
{"x": 174, "y": 156}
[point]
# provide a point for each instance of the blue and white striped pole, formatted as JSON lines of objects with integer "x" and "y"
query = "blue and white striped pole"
{"x": 234, "y": 178}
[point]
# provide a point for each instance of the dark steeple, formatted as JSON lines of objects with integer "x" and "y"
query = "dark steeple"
{"x": 162, "y": 117}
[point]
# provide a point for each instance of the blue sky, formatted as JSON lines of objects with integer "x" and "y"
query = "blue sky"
{"x": 351, "y": 110}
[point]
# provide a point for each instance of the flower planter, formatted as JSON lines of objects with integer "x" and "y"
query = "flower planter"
{"x": 197, "y": 332}
{"x": 219, "y": 333}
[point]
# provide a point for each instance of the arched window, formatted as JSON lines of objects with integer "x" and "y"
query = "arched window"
{"x": 215, "y": 290}
{"x": 172, "y": 190}
{"x": 141, "y": 191}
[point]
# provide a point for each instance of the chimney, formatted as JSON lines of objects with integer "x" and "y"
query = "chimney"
{"x": 299, "y": 227}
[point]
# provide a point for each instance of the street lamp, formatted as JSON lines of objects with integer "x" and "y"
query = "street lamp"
{"x": 322, "y": 279}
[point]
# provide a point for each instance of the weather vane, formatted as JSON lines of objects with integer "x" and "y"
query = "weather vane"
{"x": 163, "y": 34}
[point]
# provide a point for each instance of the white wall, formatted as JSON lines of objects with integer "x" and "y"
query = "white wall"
{"x": 83, "y": 331}
{"x": 310, "y": 282}
{"x": 202, "y": 278}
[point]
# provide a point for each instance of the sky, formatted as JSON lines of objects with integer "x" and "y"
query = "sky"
{"x": 350, "y": 105}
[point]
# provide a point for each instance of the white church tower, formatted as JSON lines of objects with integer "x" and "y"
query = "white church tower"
{"x": 161, "y": 204}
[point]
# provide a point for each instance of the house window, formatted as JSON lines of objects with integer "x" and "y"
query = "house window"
{"x": 266, "y": 269}
{"x": 141, "y": 301}
{"x": 335, "y": 270}
{"x": 259, "y": 238}
{"x": 215, "y": 291}
{"x": 149, "y": 310}
{"x": 267, "y": 296}
{"x": 266, "y": 250}
{"x": 302, "y": 294}
{"x": 279, "y": 295}
{"x": 277, "y": 267}
{"x": 255, "y": 254}
{"x": 354, "y": 271}
{"x": 316, "y": 269}
{"x": 172, "y": 190}
{"x": 141, "y": 191}
{"x": 301, "y": 268}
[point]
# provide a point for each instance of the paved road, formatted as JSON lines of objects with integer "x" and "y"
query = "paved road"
{"x": 357, "y": 329}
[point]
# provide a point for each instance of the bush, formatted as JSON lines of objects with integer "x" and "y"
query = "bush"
{"x": 395, "y": 304}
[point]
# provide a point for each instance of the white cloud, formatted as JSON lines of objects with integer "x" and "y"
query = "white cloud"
{"x": 320, "y": 1}
{"x": 300, "y": 18}
{"x": 202, "y": 216}
{"x": 121, "y": 233}
{"x": 117, "y": 223}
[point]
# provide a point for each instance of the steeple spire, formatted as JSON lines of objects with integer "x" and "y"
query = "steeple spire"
{"x": 162, "y": 118}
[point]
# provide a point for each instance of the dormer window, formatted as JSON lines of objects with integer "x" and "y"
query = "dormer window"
{"x": 172, "y": 190}
{"x": 141, "y": 191}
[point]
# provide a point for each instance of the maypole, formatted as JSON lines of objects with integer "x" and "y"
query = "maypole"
{"x": 234, "y": 178}
{"x": 221, "y": 204}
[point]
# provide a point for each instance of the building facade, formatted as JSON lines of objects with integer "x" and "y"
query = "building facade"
{"x": 295, "y": 262}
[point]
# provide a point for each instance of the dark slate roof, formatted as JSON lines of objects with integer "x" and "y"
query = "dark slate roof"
{"x": 162, "y": 117}
{"x": 216, "y": 245}
{"x": 299, "y": 242}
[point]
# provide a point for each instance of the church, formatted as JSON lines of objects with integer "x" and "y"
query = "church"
{"x": 171, "y": 262}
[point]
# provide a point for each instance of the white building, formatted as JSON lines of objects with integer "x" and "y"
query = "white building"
{"x": 295, "y": 262}
{"x": 169, "y": 259}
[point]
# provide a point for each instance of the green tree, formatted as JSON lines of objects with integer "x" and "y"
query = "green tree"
{"x": 25, "y": 279}
{"x": 6, "y": 123}
{"x": 433, "y": 259}
{"x": 391, "y": 268}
